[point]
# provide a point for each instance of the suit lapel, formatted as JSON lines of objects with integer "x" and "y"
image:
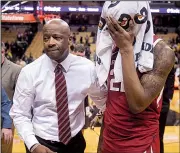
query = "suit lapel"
{"x": 5, "y": 67}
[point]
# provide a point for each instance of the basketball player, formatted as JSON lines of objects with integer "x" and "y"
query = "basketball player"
{"x": 131, "y": 118}
{"x": 159, "y": 45}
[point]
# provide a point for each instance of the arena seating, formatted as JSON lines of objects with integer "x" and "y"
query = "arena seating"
{"x": 36, "y": 47}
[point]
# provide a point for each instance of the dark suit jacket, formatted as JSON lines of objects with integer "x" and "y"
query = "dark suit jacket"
{"x": 10, "y": 72}
{"x": 6, "y": 121}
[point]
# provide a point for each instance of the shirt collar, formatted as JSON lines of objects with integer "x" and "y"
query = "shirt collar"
{"x": 65, "y": 64}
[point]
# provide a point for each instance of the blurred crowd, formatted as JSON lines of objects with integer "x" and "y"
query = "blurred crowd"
{"x": 15, "y": 50}
{"x": 83, "y": 45}
{"x": 76, "y": 19}
{"x": 162, "y": 23}
{"x": 175, "y": 44}
{"x": 166, "y": 20}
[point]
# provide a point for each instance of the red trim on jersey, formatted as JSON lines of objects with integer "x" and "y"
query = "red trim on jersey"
{"x": 155, "y": 38}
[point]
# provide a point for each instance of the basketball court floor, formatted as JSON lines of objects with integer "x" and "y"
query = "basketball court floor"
{"x": 171, "y": 138}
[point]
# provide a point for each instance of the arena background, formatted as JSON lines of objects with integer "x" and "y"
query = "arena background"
{"x": 21, "y": 27}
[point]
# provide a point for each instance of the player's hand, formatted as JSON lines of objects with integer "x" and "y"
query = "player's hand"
{"x": 95, "y": 120}
{"x": 122, "y": 38}
{"x": 42, "y": 149}
{"x": 6, "y": 135}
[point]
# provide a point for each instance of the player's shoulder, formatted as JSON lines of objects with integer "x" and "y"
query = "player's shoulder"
{"x": 163, "y": 48}
{"x": 156, "y": 39}
{"x": 164, "y": 56}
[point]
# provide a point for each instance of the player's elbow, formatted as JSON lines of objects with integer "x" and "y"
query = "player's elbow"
{"x": 138, "y": 103}
{"x": 136, "y": 107}
{"x": 135, "y": 110}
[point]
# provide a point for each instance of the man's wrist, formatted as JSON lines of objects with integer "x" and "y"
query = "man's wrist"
{"x": 30, "y": 140}
{"x": 7, "y": 126}
{"x": 34, "y": 147}
{"x": 126, "y": 50}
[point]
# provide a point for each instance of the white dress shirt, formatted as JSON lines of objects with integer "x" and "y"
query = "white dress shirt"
{"x": 35, "y": 90}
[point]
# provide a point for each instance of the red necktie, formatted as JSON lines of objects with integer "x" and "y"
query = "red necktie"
{"x": 62, "y": 106}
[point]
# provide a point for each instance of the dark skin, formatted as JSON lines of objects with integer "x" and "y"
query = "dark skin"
{"x": 140, "y": 92}
{"x": 56, "y": 35}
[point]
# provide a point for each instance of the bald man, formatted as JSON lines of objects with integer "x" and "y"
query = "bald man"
{"x": 54, "y": 87}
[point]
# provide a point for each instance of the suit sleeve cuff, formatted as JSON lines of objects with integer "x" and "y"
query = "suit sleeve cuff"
{"x": 30, "y": 141}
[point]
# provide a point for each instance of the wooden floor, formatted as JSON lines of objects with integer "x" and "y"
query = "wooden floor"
{"x": 171, "y": 137}
{"x": 171, "y": 140}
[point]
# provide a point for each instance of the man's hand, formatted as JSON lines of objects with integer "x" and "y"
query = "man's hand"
{"x": 42, "y": 149}
{"x": 6, "y": 135}
{"x": 123, "y": 38}
{"x": 95, "y": 120}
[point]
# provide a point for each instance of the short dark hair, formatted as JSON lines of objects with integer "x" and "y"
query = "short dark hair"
{"x": 72, "y": 47}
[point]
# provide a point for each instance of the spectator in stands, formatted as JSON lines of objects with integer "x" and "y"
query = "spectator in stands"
{"x": 74, "y": 38}
{"x": 10, "y": 72}
{"x": 177, "y": 39}
{"x": 77, "y": 19}
{"x": 30, "y": 59}
{"x": 93, "y": 34}
{"x": 82, "y": 29}
{"x": 87, "y": 51}
{"x": 17, "y": 61}
{"x": 94, "y": 40}
{"x": 79, "y": 50}
{"x": 85, "y": 19}
{"x": 21, "y": 62}
{"x": 14, "y": 50}
{"x": 8, "y": 55}
{"x": 19, "y": 36}
{"x": 30, "y": 36}
{"x": 6, "y": 121}
{"x": 19, "y": 46}
{"x": 71, "y": 48}
{"x": 7, "y": 45}
{"x": 86, "y": 40}
{"x": 81, "y": 40}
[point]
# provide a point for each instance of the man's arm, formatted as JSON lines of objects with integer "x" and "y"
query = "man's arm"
{"x": 21, "y": 109}
{"x": 5, "y": 107}
{"x": 153, "y": 81}
{"x": 140, "y": 92}
{"x": 6, "y": 131}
